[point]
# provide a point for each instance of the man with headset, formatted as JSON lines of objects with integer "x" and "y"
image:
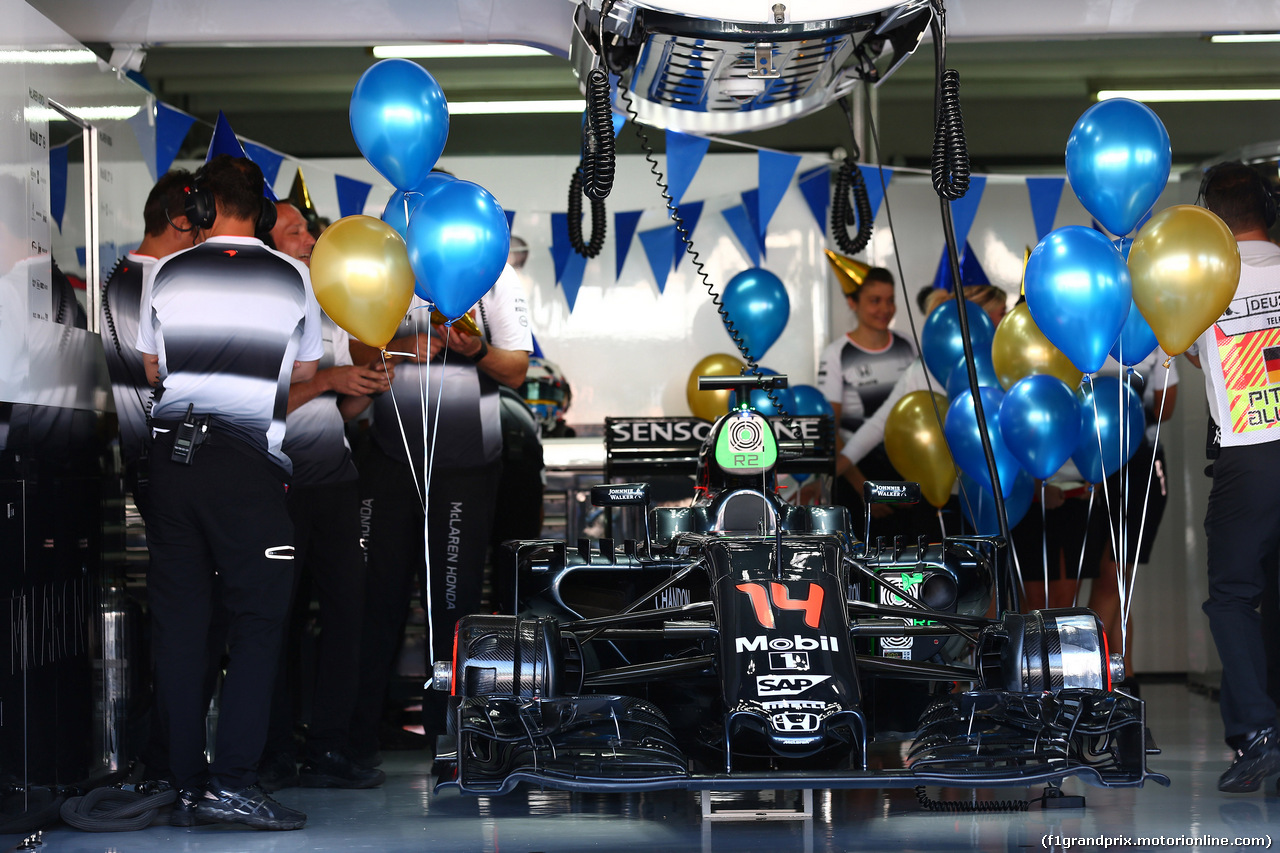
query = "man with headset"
{"x": 1240, "y": 355}
{"x": 225, "y": 327}
{"x": 167, "y": 231}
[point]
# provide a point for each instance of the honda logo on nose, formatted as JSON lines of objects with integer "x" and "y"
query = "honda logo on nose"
{"x": 795, "y": 721}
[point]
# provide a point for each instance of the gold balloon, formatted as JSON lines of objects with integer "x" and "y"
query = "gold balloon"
{"x": 1185, "y": 266}
{"x": 362, "y": 279}
{"x": 914, "y": 440}
{"x": 710, "y": 405}
{"x": 1020, "y": 349}
{"x": 465, "y": 323}
{"x": 1022, "y": 285}
{"x": 849, "y": 272}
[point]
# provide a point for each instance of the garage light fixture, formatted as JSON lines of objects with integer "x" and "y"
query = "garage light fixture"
{"x": 454, "y": 51}
{"x": 476, "y": 108}
{"x": 1152, "y": 96}
{"x": 1245, "y": 38}
{"x": 48, "y": 57}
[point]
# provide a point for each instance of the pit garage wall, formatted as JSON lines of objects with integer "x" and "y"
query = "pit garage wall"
{"x": 62, "y": 518}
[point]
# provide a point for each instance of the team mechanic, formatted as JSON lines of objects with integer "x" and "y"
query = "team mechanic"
{"x": 1240, "y": 355}
{"x": 225, "y": 327}
{"x": 466, "y": 467}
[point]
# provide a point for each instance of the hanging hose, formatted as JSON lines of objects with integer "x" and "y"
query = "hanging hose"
{"x": 964, "y": 807}
{"x": 598, "y": 155}
{"x": 599, "y": 222}
{"x": 847, "y": 210}
{"x": 950, "y": 164}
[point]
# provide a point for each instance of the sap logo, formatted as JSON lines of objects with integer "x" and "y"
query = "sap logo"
{"x": 785, "y": 644}
{"x": 795, "y": 722}
{"x": 789, "y": 661}
{"x": 787, "y": 685}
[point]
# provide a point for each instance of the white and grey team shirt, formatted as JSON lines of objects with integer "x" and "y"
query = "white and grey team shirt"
{"x": 470, "y": 422}
{"x": 227, "y": 319}
{"x": 315, "y": 439}
{"x": 858, "y": 379}
{"x": 122, "y": 296}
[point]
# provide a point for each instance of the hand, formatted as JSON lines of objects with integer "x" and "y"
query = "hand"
{"x": 357, "y": 380}
{"x": 460, "y": 343}
{"x": 1053, "y": 497}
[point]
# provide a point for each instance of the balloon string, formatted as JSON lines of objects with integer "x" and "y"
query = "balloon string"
{"x": 942, "y": 524}
{"x": 1044, "y": 530}
{"x": 1122, "y": 553}
{"x": 417, "y": 490}
{"x": 1106, "y": 492}
{"x": 1147, "y": 498}
{"x": 1084, "y": 543}
{"x": 430, "y": 459}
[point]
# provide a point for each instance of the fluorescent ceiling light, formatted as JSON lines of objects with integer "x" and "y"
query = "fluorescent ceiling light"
{"x": 114, "y": 113}
{"x": 454, "y": 51}
{"x": 1245, "y": 38}
{"x": 1174, "y": 95}
{"x": 48, "y": 57}
{"x": 476, "y": 108}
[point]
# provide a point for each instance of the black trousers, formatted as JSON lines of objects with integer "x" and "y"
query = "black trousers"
{"x": 461, "y": 507}
{"x": 225, "y": 513}
{"x": 329, "y": 564}
{"x": 1242, "y": 531}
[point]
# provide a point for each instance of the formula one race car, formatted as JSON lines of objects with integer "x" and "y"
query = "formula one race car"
{"x": 748, "y": 643}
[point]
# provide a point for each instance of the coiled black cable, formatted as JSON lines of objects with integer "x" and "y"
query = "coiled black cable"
{"x": 964, "y": 807}
{"x": 598, "y": 154}
{"x": 849, "y": 206}
{"x": 950, "y": 163}
{"x": 115, "y": 810}
{"x": 599, "y": 220}
{"x": 695, "y": 258}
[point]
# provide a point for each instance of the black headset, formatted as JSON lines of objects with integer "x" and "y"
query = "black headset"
{"x": 1266, "y": 198}
{"x": 199, "y": 206}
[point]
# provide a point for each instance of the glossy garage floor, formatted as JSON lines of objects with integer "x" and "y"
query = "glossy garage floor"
{"x": 405, "y": 816}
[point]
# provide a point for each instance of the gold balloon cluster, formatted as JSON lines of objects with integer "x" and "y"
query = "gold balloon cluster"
{"x": 361, "y": 277}
{"x": 710, "y": 405}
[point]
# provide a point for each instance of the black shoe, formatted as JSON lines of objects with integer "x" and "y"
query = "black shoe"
{"x": 277, "y": 770}
{"x": 335, "y": 770}
{"x": 368, "y": 759}
{"x": 184, "y": 808}
{"x": 1256, "y": 759}
{"x": 250, "y": 806}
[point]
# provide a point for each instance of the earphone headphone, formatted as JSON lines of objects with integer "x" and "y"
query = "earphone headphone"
{"x": 1265, "y": 197}
{"x": 199, "y": 206}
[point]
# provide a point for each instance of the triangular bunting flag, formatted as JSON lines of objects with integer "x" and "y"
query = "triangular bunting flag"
{"x": 58, "y": 181}
{"x": 571, "y": 279}
{"x": 659, "y": 244}
{"x": 740, "y": 224}
{"x": 560, "y": 247}
{"x": 624, "y": 228}
{"x": 815, "y": 185}
{"x": 619, "y": 119}
{"x": 971, "y": 271}
{"x": 225, "y": 141}
{"x": 142, "y": 124}
{"x": 1045, "y": 195}
{"x": 751, "y": 203}
{"x": 684, "y": 155}
{"x": 268, "y": 161}
{"x": 511, "y": 218}
{"x": 963, "y": 210}
{"x": 689, "y": 214}
{"x": 776, "y": 170}
{"x": 172, "y": 126}
{"x": 352, "y": 195}
{"x": 876, "y": 179}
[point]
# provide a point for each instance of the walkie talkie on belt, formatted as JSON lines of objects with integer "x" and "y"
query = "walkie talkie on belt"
{"x": 192, "y": 433}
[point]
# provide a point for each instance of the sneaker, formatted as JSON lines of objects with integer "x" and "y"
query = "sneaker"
{"x": 277, "y": 770}
{"x": 335, "y": 770}
{"x": 365, "y": 758}
{"x": 1257, "y": 758}
{"x": 184, "y": 808}
{"x": 250, "y": 806}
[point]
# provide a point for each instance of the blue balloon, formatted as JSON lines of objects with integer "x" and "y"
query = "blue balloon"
{"x": 458, "y": 246}
{"x": 400, "y": 120}
{"x": 397, "y": 212}
{"x": 1136, "y": 340}
{"x": 810, "y": 401}
{"x": 1040, "y": 423}
{"x": 760, "y": 399}
{"x": 961, "y": 430}
{"x": 959, "y": 379}
{"x": 1078, "y": 292}
{"x": 941, "y": 344}
{"x": 758, "y": 305}
{"x": 1118, "y": 159}
{"x": 1099, "y": 459}
{"x": 979, "y": 506}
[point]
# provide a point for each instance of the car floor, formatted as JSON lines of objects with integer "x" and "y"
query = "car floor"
{"x": 404, "y": 815}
